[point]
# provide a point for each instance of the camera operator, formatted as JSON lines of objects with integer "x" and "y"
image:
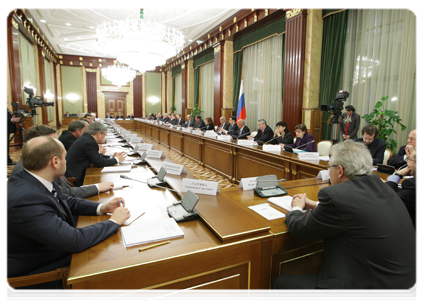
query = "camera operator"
{"x": 349, "y": 123}
{"x": 11, "y": 128}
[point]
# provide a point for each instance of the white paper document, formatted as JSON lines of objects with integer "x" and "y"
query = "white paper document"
{"x": 136, "y": 210}
{"x": 283, "y": 202}
{"x": 116, "y": 169}
{"x": 149, "y": 232}
{"x": 119, "y": 185}
{"x": 266, "y": 211}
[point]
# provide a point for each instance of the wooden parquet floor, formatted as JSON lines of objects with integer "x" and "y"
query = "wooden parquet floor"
{"x": 195, "y": 169}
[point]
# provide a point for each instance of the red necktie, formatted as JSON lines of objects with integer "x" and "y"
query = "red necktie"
{"x": 346, "y": 128}
{"x": 220, "y": 128}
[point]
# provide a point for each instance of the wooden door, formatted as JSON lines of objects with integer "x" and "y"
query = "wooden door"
{"x": 115, "y": 102}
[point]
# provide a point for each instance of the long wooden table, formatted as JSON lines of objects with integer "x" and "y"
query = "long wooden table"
{"x": 229, "y": 159}
{"x": 229, "y": 247}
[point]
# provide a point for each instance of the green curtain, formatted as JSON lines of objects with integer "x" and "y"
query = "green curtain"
{"x": 173, "y": 93}
{"x": 196, "y": 86}
{"x": 333, "y": 46}
{"x": 237, "y": 75}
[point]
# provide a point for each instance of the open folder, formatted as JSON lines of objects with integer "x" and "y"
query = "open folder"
{"x": 149, "y": 232}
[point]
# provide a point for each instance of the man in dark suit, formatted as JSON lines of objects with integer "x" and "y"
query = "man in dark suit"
{"x": 84, "y": 152}
{"x": 180, "y": 121}
{"x": 223, "y": 126}
{"x": 243, "y": 131}
{"x": 233, "y": 128}
{"x": 108, "y": 116}
{"x": 368, "y": 237}
{"x": 199, "y": 123}
{"x": 264, "y": 133}
{"x": 398, "y": 160}
{"x": 375, "y": 145}
{"x": 11, "y": 128}
{"x": 165, "y": 118}
{"x": 66, "y": 187}
{"x": 190, "y": 122}
{"x": 407, "y": 191}
{"x": 349, "y": 123}
{"x": 173, "y": 120}
{"x": 75, "y": 130}
{"x": 42, "y": 233}
{"x": 120, "y": 116}
{"x": 131, "y": 116}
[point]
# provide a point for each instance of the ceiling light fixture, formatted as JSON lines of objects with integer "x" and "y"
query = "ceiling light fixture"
{"x": 43, "y": 21}
{"x": 68, "y": 24}
{"x": 141, "y": 44}
{"x": 118, "y": 74}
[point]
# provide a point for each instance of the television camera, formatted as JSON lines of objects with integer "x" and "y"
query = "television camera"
{"x": 337, "y": 106}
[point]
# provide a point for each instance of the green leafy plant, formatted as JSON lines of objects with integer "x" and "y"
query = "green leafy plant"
{"x": 173, "y": 109}
{"x": 385, "y": 120}
{"x": 196, "y": 111}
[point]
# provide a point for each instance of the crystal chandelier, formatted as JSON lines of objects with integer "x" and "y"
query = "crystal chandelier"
{"x": 118, "y": 74}
{"x": 141, "y": 44}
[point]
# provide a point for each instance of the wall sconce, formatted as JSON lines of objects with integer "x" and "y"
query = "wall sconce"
{"x": 153, "y": 100}
{"x": 72, "y": 98}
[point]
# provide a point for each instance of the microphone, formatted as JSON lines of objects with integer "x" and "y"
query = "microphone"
{"x": 271, "y": 140}
{"x": 304, "y": 144}
{"x": 150, "y": 184}
{"x": 237, "y": 137}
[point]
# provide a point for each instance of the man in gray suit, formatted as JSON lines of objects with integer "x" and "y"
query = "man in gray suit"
{"x": 369, "y": 239}
{"x": 349, "y": 123}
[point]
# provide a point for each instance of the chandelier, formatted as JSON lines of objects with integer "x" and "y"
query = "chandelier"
{"x": 140, "y": 44}
{"x": 118, "y": 74}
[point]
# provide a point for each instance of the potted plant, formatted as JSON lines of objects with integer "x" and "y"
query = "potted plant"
{"x": 385, "y": 120}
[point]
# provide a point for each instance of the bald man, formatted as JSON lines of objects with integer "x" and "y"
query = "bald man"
{"x": 42, "y": 233}
{"x": 398, "y": 160}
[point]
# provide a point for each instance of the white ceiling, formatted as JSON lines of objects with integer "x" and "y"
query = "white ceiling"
{"x": 79, "y": 38}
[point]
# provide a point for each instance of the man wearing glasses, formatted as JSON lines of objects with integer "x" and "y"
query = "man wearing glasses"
{"x": 407, "y": 191}
{"x": 375, "y": 145}
{"x": 368, "y": 237}
{"x": 398, "y": 160}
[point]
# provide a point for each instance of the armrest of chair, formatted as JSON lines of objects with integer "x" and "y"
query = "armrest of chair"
{"x": 71, "y": 180}
{"x": 58, "y": 274}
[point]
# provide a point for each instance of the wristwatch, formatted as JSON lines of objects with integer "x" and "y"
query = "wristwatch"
{"x": 399, "y": 175}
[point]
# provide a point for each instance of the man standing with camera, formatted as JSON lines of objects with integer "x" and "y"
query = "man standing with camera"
{"x": 11, "y": 128}
{"x": 349, "y": 123}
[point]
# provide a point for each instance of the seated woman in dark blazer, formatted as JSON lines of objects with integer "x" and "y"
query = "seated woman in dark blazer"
{"x": 209, "y": 123}
{"x": 283, "y": 134}
{"x": 303, "y": 138}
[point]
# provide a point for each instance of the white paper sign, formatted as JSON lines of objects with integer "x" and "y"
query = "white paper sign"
{"x": 272, "y": 148}
{"x": 136, "y": 140}
{"x": 155, "y": 154}
{"x": 323, "y": 175}
{"x": 174, "y": 169}
{"x": 266, "y": 211}
{"x": 197, "y": 132}
{"x": 225, "y": 138}
{"x": 187, "y": 130}
{"x": 131, "y": 135}
{"x": 249, "y": 183}
{"x": 246, "y": 142}
{"x": 145, "y": 147}
{"x": 210, "y": 133}
{"x": 200, "y": 186}
{"x": 308, "y": 156}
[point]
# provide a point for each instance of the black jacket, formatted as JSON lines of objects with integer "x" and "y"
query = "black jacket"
{"x": 398, "y": 159}
{"x": 67, "y": 139}
{"x": 377, "y": 149}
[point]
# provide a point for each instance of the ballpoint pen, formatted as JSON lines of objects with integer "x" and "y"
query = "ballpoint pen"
{"x": 152, "y": 246}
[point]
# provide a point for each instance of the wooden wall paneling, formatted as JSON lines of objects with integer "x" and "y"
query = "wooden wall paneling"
{"x": 137, "y": 87}
{"x": 165, "y": 99}
{"x": 58, "y": 125}
{"x": 164, "y": 137}
{"x": 227, "y": 113}
{"x": 294, "y": 68}
{"x": 218, "y": 81}
{"x": 314, "y": 125}
{"x": 42, "y": 76}
{"x": 218, "y": 157}
{"x": 92, "y": 92}
{"x": 13, "y": 57}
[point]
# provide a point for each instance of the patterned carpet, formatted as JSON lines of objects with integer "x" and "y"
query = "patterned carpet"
{"x": 192, "y": 167}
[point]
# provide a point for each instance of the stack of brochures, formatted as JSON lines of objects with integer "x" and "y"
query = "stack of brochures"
{"x": 283, "y": 202}
{"x": 149, "y": 232}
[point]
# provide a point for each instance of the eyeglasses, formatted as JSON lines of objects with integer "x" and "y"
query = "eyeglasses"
{"x": 329, "y": 166}
{"x": 407, "y": 159}
{"x": 368, "y": 140}
{"x": 298, "y": 131}
{"x": 411, "y": 138}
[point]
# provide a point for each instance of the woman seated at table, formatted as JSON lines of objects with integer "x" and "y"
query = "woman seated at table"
{"x": 305, "y": 141}
{"x": 283, "y": 134}
{"x": 209, "y": 123}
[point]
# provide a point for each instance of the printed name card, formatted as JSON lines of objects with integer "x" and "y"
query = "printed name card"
{"x": 308, "y": 156}
{"x": 197, "y": 132}
{"x": 210, "y": 133}
{"x": 272, "y": 148}
{"x": 155, "y": 154}
{"x": 246, "y": 142}
{"x": 187, "y": 130}
{"x": 131, "y": 135}
{"x": 323, "y": 175}
{"x": 200, "y": 186}
{"x": 225, "y": 138}
{"x": 145, "y": 147}
{"x": 136, "y": 139}
{"x": 174, "y": 169}
{"x": 249, "y": 183}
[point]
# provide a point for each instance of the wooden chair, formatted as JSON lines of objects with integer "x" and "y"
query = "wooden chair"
{"x": 387, "y": 155}
{"x": 415, "y": 293}
{"x": 71, "y": 180}
{"x": 323, "y": 147}
{"x": 58, "y": 274}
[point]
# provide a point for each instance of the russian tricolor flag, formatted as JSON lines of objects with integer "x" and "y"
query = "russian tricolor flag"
{"x": 240, "y": 112}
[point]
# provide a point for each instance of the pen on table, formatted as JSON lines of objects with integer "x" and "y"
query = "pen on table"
{"x": 121, "y": 204}
{"x": 152, "y": 246}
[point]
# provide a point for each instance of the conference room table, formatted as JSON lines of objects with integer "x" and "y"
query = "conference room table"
{"x": 228, "y": 247}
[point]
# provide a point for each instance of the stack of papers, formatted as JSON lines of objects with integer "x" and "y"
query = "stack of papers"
{"x": 266, "y": 211}
{"x": 149, "y": 232}
{"x": 283, "y": 202}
